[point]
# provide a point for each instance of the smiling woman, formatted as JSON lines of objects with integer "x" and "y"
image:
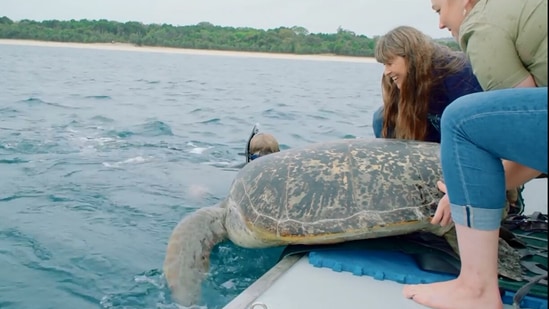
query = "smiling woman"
{"x": 421, "y": 78}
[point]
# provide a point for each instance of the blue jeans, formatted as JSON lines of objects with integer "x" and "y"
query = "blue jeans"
{"x": 377, "y": 123}
{"x": 480, "y": 129}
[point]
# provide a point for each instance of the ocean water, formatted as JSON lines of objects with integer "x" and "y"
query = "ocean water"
{"x": 102, "y": 152}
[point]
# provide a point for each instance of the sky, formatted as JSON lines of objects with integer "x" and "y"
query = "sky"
{"x": 366, "y": 17}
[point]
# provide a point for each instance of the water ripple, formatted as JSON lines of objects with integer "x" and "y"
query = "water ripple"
{"x": 13, "y": 161}
{"x": 32, "y": 101}
{"x": 98, "y": 97}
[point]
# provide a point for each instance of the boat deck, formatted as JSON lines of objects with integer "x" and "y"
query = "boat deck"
{"x": 296, "y": 284}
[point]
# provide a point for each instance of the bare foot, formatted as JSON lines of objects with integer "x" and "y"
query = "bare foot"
{"x": 454, "y": 294}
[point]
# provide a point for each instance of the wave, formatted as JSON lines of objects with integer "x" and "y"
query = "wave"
{"x": 274, "y": 114}
{"x": 13, "y": 161}
{"x": 134, "y": 160}
{"x": 154, "y": 128}
{"x": 148, "y": 81}
{"x": 32, "y": 101}
{"x": 201, "y": 109}
{"x": 102, "y": 119}
{"x": 211, "y": 120}
{"x": 9, "y": 111}
{"x": 98, "y": 97}
{"x": 148, "y": 291}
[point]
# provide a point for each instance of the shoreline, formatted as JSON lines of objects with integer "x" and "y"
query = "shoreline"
{"x": 186, "y": 51}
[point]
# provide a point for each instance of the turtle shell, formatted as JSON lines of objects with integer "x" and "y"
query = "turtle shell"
{"x": 363, "y": 188}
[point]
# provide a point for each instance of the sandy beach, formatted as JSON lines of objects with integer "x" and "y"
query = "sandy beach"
{"x": 150, "y": 49}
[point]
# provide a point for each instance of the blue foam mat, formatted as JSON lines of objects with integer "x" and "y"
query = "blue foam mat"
{"x": 394, "y": 266}
{"x": 382, "y": 265}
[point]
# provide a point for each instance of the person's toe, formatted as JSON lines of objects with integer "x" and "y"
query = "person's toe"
{"x": 409, "y": 291}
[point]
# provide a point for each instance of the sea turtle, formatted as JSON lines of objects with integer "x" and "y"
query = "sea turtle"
{"x": 322, "y": 193}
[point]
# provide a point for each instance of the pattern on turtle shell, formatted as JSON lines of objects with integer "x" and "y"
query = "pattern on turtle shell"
{"x": 340, "y": 186}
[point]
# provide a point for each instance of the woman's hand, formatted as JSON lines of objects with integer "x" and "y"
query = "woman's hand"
{"x": 442, "y": 214}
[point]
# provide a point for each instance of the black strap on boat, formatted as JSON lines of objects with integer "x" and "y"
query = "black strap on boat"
{"x": 523, "y": 291}
{"x": 536, "y": 222}
{"x": 530, "y": 240}
{"x": 440, "y": 257}
{"x": 535, "y": 268}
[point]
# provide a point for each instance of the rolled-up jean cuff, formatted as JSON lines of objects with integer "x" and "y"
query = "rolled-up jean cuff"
{"x": 484, "y": 219}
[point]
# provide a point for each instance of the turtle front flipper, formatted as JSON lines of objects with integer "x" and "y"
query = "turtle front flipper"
{"x": 188, "y": 253}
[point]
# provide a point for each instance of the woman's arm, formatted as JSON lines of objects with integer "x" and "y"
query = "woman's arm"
{"x": 527, "y": 82}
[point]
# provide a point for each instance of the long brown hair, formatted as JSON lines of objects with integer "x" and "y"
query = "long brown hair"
{"x": 427, "y": 63}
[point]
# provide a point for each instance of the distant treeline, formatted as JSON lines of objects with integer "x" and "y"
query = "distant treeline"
{"x": 294, "y": 40}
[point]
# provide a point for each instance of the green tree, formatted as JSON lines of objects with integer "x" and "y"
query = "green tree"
{"x": 203, "y": 35}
